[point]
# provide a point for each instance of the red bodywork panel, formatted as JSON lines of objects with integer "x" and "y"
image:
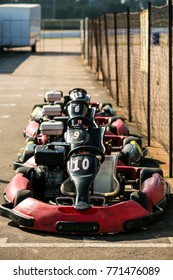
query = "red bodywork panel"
{"x": 101, "y": 120}
{"x": 31, "y": 129}
{"x": 116, "y": 140}
{"x": 120, "y": 127}
{"x": 110, "y": 218}
{"x": 155, "y": 188}
{"x": 19, "y": 182}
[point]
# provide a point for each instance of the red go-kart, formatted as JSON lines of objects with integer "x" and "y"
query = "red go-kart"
{"x": 82, "y": 190}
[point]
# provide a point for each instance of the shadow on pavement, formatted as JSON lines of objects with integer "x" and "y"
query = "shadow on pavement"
{"x": 4, "y": 181}
{"x": 151, "y": 162}
{"x": 10, "y": 60}
{"x": 59, "y": 53}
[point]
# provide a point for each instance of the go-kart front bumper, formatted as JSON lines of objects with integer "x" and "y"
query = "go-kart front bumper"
{"x": 120, "y": 217}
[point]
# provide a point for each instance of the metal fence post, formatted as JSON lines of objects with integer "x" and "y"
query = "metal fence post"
{"x": 96, "y": 45}
{"x": 100, "y": 50}
{"x": 149, "y": 74}
{"x": 90, "y": 49}
{"x": 128, "y": 65}
{"x": 170, "y": 91}
{"x": 107, "y": 52}
{"x": 88, "y": 41}
{"x": 116, "y": 59}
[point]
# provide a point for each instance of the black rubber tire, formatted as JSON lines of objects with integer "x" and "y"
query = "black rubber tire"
{"x": 146, "y": 173}
{"x": 101, "y": 105}
{"x": 124, "y": 158}
{"x": 132, "y": 138}
{"x": 21, "y": 195}
{"x": 139, "y": 197}
{"x": 27, "y": 155}
{"x": 112, "y": 129}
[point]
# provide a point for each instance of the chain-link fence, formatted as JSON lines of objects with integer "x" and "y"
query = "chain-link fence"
{"x": 159, "y": 78}
{"x": 132, "y": 53}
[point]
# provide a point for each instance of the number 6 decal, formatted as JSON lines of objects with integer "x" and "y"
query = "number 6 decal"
{"x": 77, "y": 108}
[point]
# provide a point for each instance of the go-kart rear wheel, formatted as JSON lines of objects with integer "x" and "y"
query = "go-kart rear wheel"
{"x": 21, "y": 195}
{"x": 146, "y": 173}
{"x": 128, "y": 139}
{"x": 27, "y": 155}
{"x": 124, "y": 158}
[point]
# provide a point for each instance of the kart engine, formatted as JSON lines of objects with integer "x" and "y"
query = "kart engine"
{"x": 50, "y": 160}
{"x": 52, "y": 181}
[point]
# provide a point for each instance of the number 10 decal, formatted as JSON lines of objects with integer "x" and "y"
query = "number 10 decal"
{"x": 78, "y": 164}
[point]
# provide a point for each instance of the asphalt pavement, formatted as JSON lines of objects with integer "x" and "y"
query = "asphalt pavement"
{"x": 24, "y": 79}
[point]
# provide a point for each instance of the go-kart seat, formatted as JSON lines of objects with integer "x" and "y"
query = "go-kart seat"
{"x": 68, "y": 188}
{"x": 105, "y": 184}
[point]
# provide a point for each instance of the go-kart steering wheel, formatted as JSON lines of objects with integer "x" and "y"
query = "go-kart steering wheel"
{"x": 89, "y": 121}
{"x": 87, "y": 149}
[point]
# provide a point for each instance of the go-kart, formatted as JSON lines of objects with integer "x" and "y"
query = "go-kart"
{"x": 77, "y": 108}
{"x": 82, "y": 190}
{"x": 79, "y": 131}
{"x": 77, "y": 102}
{"x": 53, "y": 106}
{"x": 116, "y": 129}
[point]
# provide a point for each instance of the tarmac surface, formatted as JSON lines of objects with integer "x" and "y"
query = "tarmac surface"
{"x": 24, "y": 79}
